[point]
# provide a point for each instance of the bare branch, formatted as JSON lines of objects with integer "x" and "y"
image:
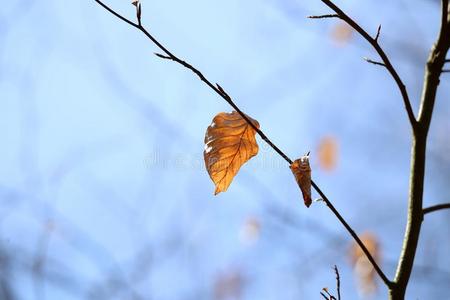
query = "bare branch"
{"x": 338, "y": 283}
{"x": 324, "y": 16}
{"x": 374, "y": 62}
{"x": 139, "y": 12}
{"x": 433, "y": 71}
{"x": 220, "y": 91}
{"x": 444, "y": 14}
{"x": 329, "y": 296}
{"x": 434, "y": 68}
{"x": 383, "y": 56}
{"x": 200, "y": 75}
{"x": 117, "y": 15}
{"x": 162, "y": 56}
{"x": 353, "y": 234}
{"x": 436, "y": 207}
{"x": 378, "y": 33}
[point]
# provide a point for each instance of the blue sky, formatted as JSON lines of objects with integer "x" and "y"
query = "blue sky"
{"x": 102, "y": 177}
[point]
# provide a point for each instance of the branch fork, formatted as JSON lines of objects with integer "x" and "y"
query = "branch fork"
{"x": 385, "y": 60}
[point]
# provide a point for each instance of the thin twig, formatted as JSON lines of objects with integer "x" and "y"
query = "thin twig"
{"x": 116, "y": 14}
{"x": 378, "y": 33}
{"x": 330, "y": 297}
{"x": 220, "y": 91}
{"x": 216, "y": 89}
{"x": 436, "y": 207}
{"x": 353, "y": 234}
{"x": 324, "y": 296}
{"x": 383, "y": 56}
{"x": 139, "y": 13}
{"x": 374, "y": 62}
{"x": 446, "y": 71}
{"x": 324, "y": 16}
{"x": 162, "y": 56}
{"x": 338, "y": 283}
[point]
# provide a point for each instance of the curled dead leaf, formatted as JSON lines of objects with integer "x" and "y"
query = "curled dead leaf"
{"x": 229, "y": 143}
{"x": 302, "y": 172}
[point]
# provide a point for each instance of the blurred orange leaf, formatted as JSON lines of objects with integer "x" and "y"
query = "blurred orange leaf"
{"x": 302, "y": 172}
{"x": 250, "y": 231}
{"x": 229, "y": 285}
{"x": 229, "y": 143}
{"x": 342, "y": 33}
{"x": 362, "y": 268}
{"x": 328, "y": 153}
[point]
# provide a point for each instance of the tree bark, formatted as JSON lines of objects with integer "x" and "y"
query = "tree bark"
{"x": 415, "y": 217}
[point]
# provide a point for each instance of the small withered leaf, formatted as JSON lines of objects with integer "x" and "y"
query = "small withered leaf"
{"x": 229, "y": 143}
{"x": 302, "y": 172}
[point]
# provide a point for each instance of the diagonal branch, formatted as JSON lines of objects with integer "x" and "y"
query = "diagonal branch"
{"x": 221, "y": 92}
{"x": 117, "y": 14}
{"x": 353, "y": 234}
{"x": 216, "y": 88}
{"x": 436, "y": 207}
{"x": 383, "y": 56}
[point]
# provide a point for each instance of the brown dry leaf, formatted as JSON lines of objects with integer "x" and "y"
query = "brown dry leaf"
{"x": 328, "y": 153}
{"x": 362, "y": 268}
{"x": 229, "y": 143}
{"x": 302, "y": 172}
